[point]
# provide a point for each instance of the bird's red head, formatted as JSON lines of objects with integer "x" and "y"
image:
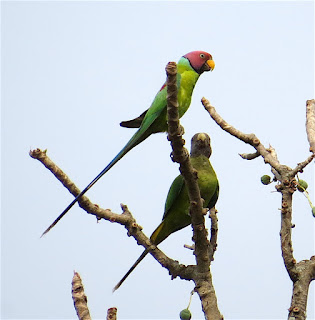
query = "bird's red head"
{"x": 200, "y": 61}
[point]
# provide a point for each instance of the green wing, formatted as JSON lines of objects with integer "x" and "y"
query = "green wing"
{"x": 175, "y": 190}
{"x": 155, "y": 118}
{"x": 214, "y": 198}
{"x": 176, "y": 215}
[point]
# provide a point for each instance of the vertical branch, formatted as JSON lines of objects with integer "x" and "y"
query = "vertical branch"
{"x": 202, "y": 277}
{"x": 310, "y": 123}
{"x": 214, "y": 233}
{"x": 79, "y": 298}
{"x": 175, "y": 131}
{"x": 306, "y": 273}
{"x": 285, "y": 234}
{"x": 111, "y": 314}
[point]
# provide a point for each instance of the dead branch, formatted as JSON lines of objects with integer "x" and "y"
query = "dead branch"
{"x": 126, "y": 219}
{"x": 247, "y": 138}
{"x": 273, "y": 153}
{"x": 302, "y": 165}
{"x": 79, "y": 298}
{"x": 111, "y": 314}
{"x": 213, "y": 234}
{"x": 250, "y": 156}
{"x": 310, "y": 123}
{"x": 303, "y": 272}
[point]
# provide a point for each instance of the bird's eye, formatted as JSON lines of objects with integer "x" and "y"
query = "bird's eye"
{"x": 202, "y": 56}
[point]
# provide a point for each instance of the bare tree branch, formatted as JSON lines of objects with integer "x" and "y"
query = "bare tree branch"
{"x": 302, "y": 165}
{"x": 303, "y": 272}
{"x": 111, "y": 314}
{"x": 310, "y": 123}
{"x": 214, "y": 233}
{"x": 247, "y": 138}
{"x": 250, "y": 156}
{"x": 80, "y": 301}
{"x": 79, "y": 298}
{"x": 126, "y": 219}
{"x": 306, "y": 273}
{"x": 285, "y": 232}
{"x": 273, "y": 153}
{"x": 202, "y": 277}
{"x": 84, "y": 202}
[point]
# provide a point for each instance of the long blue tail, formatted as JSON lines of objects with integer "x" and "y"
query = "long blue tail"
{"x": 135, "y": 140}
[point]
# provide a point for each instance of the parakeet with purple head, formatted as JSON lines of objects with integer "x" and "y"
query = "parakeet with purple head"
{"x": 154, "y": 120}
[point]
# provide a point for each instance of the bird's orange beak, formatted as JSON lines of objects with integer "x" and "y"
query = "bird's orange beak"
{"x": 211, "y": 64}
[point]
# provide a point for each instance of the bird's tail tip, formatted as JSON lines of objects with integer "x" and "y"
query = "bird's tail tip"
{"x": 45, "y": 232}
{"x": 116, "y": 287}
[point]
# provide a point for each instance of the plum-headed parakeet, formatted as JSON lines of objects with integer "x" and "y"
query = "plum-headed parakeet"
{"x": 154, "y": 120}
{"x": 176, "y": 214}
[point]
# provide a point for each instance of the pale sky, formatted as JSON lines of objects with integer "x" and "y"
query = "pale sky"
{"x": 71, "y": 71}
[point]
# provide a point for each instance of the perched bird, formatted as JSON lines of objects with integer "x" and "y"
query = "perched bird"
{"x": 154, "y": 120}
{"x": 176, "y": 214}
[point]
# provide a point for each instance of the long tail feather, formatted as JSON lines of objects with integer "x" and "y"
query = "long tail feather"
{"x": 135, "y": 140}
{"x": 145, "y": 252}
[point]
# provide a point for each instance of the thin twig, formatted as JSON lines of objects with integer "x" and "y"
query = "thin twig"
{"x": 310, "y": 123}
{"x": 273, "y": 153}
{"x": 190, "y": 247}
{"x": 302, "y": 165}
{"x": 250, "y": 156}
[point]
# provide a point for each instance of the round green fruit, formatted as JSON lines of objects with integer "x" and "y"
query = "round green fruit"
{"x": 302, "y": 186}
{"x": 185, "y": 314}
{"x": 265, "y": 179}
{"x": 313, "y": 211}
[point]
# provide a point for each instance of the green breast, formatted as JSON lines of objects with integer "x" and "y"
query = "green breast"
{"x": 187, "y": 84}
{"x": 186, "y": 81}
{"x": 207, "y": 178}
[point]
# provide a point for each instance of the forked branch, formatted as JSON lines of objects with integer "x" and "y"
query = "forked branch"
{"x": 126, "y": 219}
{"x": 303, "y": 272}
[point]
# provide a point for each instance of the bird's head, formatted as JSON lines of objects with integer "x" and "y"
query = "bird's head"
{"x": 200, "y": 145}
{"x": 200, "y": 61}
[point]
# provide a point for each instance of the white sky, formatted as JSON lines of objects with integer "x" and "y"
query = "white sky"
{"x": 71, "y": 71}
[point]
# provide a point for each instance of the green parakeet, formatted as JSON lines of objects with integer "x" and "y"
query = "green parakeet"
{"x": 154, "y": 120}
{"x": 176, "y": 214}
